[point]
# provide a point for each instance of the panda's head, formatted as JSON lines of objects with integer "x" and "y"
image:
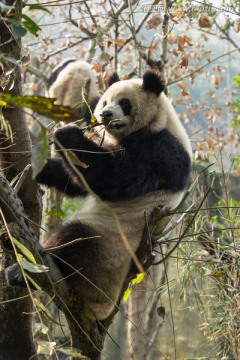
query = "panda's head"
{"x": 130, "y": 105}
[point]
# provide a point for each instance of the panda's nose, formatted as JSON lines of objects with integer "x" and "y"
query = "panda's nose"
{"x": 106, "y": 115}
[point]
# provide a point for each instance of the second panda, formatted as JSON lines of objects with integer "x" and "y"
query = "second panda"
{"x": 66, "y": 83}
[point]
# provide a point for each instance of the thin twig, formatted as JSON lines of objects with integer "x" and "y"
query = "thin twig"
{"x": 203, "y": 66}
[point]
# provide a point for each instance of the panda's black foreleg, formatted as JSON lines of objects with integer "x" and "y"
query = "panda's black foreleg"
{"x": 72, "y": 138}
{"x": 55, "y": 174}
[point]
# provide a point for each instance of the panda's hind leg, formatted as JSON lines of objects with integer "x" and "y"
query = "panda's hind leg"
{"x": 74, "y": 247}
{"x": 84, "y": 262}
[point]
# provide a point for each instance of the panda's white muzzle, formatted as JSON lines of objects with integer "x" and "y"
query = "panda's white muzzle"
{"x": 111, "y": 119}
{"x": 106, "y": 116}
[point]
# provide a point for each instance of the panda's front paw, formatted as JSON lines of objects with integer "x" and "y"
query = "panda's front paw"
{"x": 49, "y": 171}
{"x": 43, "y": 174}
{"x": 67, "y": 136}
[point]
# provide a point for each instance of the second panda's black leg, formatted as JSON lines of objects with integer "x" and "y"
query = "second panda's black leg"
{"x": 14, "y": 275}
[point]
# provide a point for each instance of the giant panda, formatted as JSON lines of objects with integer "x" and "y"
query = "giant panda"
{"x": 146, "y": 163}
{"x": 66, "y": 83}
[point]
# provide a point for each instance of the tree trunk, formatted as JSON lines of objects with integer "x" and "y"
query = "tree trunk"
{"x": 15, "y": 322}
{"x": 137, "y": 344}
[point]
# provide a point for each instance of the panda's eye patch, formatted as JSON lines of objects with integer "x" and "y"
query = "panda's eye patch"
{"x": 104, "y": 103}
{"x": 126, "y": 106}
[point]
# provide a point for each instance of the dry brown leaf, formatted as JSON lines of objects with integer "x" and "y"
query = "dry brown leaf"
{"x": 181, "y": 42}
{"x": 199, "y": 155}
{"x": 178, "y": 14}
{"x": 128, "y": 47}
{"x": 211, "y": 143}
{"x": 105, "y": 77}
{"x": 154, "y": 22}
{"x": 216, "y": 80}
{"x": 76, "y": 161}
{"x": 34, "y": 86}
{"x": 204, "y": 21}
{"x": 97, "y": 67}
{"x": 177, "y": 74}
{"x": 192, "y": 78}
{"x": 171, "y": 38}
{"x": 200, "y": 146}
{"x": 204, "y": 36}
{"x": 183, "y": 86}
{"x": 206, "y": 55}
{"x": 228, "y": 22}
{"x": 119, "y": 42}
{"x": 105, "y": 56}
{"x": 100, "y": 82}
{"x": 153, "y": 47}
{"x": 237, "y": 25}
{"x": 184, "y": 60}
{"x": 171, "y": 17}
{"x": 188, "y": 41}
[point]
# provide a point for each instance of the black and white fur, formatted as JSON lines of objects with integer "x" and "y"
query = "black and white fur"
{"x": 148, "y": 165}
{"x": 68, "y": 80}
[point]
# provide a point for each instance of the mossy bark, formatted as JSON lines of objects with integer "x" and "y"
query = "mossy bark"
{"x": 15, "y": 322}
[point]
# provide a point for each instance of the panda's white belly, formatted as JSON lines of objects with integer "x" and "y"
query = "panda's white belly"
{"x": 105, "y": 216}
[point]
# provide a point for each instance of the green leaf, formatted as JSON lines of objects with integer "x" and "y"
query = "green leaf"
{"x": 41, "y": 328}
{"x": 59, "y": 212}
{"x": 70, "y": 205}
{"x": 37, "y": 287}
{"x": 138, "y": 279}
{"x": 30, "y": 25}
{"x": 41, "y": 105}
{"x": 40, "y": 149}
{"x": 126, "y": 294}
{"x": 38, "y": 7}
{"x": 235, "y": 123}
{"x": 10, "y": 59}
{"x": 93, "y": 120}
{"x": 5, "y": 127}
{"x": 236, "y": 79}
{"x": 27, "y": 253}
{"x": 45, "y": 311}
{"x": 45, "y": 347}
{"x": 195, "y": 358}
{"x": 72, "y": 352}
{"x": 30, "y": 266}
{"x": 51, "y": 213}
{"x": 18, "y": 30}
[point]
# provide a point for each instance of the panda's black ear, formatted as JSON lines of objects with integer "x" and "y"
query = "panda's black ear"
{"x": 113, "y": 78}
{"x": 153, "y": 81}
